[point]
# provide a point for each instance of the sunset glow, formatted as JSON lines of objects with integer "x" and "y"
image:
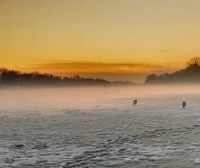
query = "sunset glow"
{"x": 111, "y": 39}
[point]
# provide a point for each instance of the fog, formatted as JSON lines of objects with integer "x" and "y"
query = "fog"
{"x": 61, "y": 127}
{"x": 84, "y": 97}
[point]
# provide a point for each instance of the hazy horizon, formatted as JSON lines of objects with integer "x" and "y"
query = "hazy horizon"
{"x": 86, "y": 96}
{"x": 112, "y": 39}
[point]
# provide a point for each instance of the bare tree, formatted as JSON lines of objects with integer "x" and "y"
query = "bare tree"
{"x": 194, "y": 62}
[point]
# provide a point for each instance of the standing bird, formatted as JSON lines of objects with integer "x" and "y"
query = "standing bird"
{"x": 184, "y": 104}
{"x": 135, "y": 102}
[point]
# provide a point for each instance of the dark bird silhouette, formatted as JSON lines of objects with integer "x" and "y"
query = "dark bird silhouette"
{"x": 184, "y": 104}
{"x": 135, "y": 102}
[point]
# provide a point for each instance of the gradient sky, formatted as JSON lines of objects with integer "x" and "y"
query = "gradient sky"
{"x": 114, "y": 39}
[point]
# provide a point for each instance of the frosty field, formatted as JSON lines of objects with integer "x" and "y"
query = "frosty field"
{"x": 99, "y": 127}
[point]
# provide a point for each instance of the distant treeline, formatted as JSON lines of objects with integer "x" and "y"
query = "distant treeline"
{"x": 191, "y": 74}
{"x": 16, "y": 78}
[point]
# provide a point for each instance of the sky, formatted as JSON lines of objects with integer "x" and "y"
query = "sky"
{"x": 111, "y": 39}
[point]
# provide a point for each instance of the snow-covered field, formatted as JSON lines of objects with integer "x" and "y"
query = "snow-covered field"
{"x": 99, "y": 127}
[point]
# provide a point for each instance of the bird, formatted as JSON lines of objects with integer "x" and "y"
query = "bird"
{"x": 135, "y": 102}
{"x": 184, "y": 104}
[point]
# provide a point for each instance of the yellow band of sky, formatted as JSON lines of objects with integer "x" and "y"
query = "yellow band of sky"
{"x": 98, "y": 37}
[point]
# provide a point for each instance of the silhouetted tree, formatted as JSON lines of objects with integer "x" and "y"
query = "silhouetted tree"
{"x": 151, "y": 78}
{"x": 194, "y": 62}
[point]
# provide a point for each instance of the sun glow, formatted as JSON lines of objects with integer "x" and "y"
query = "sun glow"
{"x": 109, "y": 34}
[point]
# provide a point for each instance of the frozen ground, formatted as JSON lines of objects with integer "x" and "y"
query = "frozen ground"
{"x": 104, "y": 131}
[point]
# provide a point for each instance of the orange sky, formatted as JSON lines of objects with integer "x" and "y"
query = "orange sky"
{"x": 113, "y": 39}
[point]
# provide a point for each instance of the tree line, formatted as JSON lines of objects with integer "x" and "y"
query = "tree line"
{"x": 16, "y": 78}
{"x": 191, "y": 74}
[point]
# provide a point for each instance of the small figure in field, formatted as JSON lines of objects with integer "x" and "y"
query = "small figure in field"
{"x": 135, "y": 102}
{"x": 184, "y": 104}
